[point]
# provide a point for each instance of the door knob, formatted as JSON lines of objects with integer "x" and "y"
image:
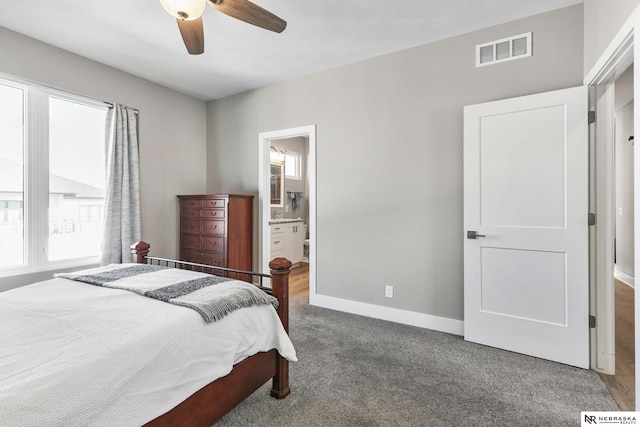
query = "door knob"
{"x": 474, "y": 234}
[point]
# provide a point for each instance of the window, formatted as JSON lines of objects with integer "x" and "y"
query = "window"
{"x": 292, "y": 165}
{"x": 52, "y": 176}
{"x": 11, "y": 176}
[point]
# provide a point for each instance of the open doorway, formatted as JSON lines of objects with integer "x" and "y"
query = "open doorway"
{"x": 621, "y": 382}
{"x": 614, "y": 184}
{"x": 289, "y": 211}
{"x": 287, "y": 204}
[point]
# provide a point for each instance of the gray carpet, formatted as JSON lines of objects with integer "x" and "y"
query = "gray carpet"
{"x": 357, "y": 371}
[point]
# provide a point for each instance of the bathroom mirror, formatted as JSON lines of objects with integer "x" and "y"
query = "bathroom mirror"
{"x": 277, "y": 184}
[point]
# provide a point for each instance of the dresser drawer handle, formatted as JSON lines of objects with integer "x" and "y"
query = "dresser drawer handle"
{"x": 214, "y": 214}
{"x": 192, "y": 226}
{"x": 192, "y": 242}
{"x": 214, "y": 244}
{"x": 213, "y": 227}
{"x": 277, "y": 241}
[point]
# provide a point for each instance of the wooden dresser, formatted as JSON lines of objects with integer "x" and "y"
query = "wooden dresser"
{"x": 216, "y": 229}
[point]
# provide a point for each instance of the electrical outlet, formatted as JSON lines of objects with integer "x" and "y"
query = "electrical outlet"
{"x": 388, "y": 291}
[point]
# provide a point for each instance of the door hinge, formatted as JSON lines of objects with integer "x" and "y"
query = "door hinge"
{"x": 592, "y": 321}
{"x": 592, "y": 219}
{"x": 591, "y": 117}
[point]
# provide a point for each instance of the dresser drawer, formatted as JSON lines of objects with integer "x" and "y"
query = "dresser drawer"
{"x": 203, "y": 257}
{"x": 216, "y": 259}
{"x": 213, "y": 227}
{"x": 191, "y": 203}
{"x": 213, "y": 203}
{"x": 190, "y": 226}
{"x": 213, "y": 213}
{"x": 189, "y": 212}
{"x": 213, "y": 243}
{"x": 192, "y": 255}
{"x": 191, "y": 241}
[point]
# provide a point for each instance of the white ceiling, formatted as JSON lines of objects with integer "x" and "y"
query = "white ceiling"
{"x": 139, "y": 37}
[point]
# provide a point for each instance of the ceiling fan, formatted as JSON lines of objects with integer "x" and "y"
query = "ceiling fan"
{"x": 188, "y": 14}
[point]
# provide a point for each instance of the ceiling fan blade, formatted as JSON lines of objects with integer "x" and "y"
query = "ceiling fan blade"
{"x": 193, "y": 35}
{"x": 250, "y": 13}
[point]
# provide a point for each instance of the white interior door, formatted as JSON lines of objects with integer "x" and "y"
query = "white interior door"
{"x": 526, "y": 197}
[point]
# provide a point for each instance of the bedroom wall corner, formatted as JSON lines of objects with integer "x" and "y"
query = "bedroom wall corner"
{"x": 389, "y": 155}
{"x": 172, "y": 127}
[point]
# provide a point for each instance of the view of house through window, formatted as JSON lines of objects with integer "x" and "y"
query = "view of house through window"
{"x": 11, "y": 177}
{"x": 61, "y": 151}
{"x": 76, "y": 179}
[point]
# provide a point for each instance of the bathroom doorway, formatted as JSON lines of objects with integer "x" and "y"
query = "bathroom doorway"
{"x": 287, "y": 223}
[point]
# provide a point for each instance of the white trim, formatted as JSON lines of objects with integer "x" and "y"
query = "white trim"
{"x": 264, "y": 143}
{"x": 602, "y": 172}
{"x": 624, "y": 278}
{"x": 57, "y": 92}
{"x": 618, "y": 48}
{"x": 412, "y": 318}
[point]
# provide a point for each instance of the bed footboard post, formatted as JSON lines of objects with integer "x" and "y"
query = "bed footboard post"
{"x": 140, "y": 250}
{"x": 280, "y": 269}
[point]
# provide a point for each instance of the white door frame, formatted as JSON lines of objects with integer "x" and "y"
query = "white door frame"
{"x": 264, "y": 144}
{"x": 616, "y": 58}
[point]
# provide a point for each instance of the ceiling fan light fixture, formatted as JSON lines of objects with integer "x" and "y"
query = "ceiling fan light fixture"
{"x": 186, "y": 10}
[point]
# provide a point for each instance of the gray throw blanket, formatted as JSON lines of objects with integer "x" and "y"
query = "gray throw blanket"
{"x": 212, "y": 296}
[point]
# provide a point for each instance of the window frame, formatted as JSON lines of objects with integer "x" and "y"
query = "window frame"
{"x": 297, "y": 175}
{"x": 35, "y": 104}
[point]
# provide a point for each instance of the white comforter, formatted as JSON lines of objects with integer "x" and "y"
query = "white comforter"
{"x": 73, "y": 354}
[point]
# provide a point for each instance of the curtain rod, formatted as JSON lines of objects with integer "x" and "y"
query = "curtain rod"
{"x": 110, "y": 105}
{"x": 23, "y": 81}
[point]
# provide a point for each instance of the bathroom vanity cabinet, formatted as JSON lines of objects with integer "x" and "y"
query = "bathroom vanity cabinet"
{"x": 287, "y": 240}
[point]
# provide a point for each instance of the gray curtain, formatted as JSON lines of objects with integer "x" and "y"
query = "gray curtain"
{"x": 122, "y": 199}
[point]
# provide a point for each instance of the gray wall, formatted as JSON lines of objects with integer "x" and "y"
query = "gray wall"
{"x": 602, "y": 20}
{"x": 172, "y": 130}
{"x": 624, "y": 174}
{"x": 389, "y": 155}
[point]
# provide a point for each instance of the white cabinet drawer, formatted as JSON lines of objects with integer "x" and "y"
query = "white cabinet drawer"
{"x": 277, "y": 228}
{"x": 277, "y": 242}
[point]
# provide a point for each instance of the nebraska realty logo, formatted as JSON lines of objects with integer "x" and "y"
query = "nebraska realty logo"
{"x": 609, "y": 418}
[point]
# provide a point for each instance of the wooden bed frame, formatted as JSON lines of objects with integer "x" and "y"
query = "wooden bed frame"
{"x": 213, "y": 401}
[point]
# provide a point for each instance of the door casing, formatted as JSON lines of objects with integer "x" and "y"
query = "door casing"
{"x": 264, "y": 144}
{"x": 615, "y": 59}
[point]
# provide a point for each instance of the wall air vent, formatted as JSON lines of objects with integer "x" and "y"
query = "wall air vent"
{"x": 515, "y": 47}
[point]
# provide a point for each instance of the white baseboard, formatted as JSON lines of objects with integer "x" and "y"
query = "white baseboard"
{"x": 624, "y": 278}
{"x": 441, "y": 324}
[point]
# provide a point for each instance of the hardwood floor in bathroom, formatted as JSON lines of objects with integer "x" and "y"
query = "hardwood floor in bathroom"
{"x": 299, "y": 282}
{"x": 621, "y": 385}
